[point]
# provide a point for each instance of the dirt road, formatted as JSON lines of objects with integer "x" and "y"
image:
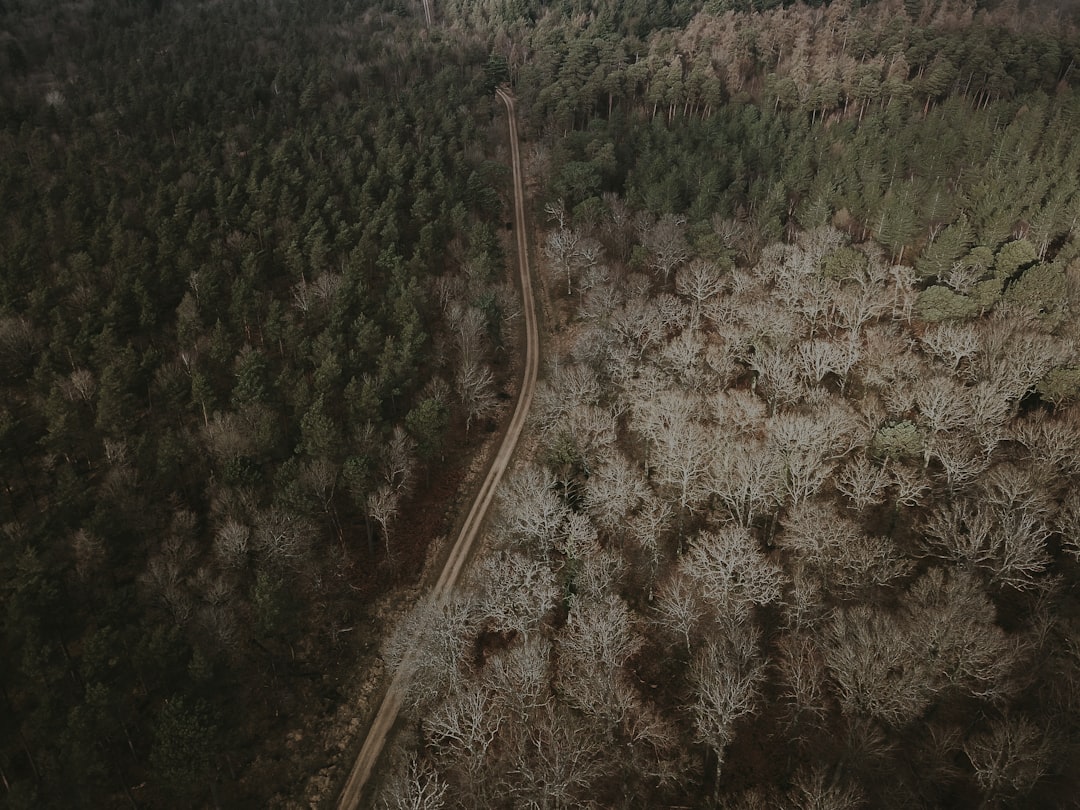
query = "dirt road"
{"x": 388, "y": 711}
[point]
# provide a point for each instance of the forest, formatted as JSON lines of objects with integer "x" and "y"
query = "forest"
{"x": 801, "y": 529}
{"x": 801, "y": 523}
{"x": 252, "y": 305}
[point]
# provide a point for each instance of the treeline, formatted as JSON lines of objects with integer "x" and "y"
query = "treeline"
{"x": 944, "y": 179}
{"x": 223, "y": 371}
{"x": 836, "y": 59}
{"x": 897, "y": 118}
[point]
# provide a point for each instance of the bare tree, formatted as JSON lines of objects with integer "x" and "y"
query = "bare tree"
{"x": 89, "y": 552}
{"x": 666, "y": 242}
{"x": 845, "y": 558}
{"x": 722, "y": 362}
{"x": 681, "y": 445}
{"x": 515, "y": 591}
{"x": 874, "y": 670}
{"x": 777, "y": 376}
{"x": 819, "y": 357}
{"x": 1014, "y": 352}
{"x": 908, "y": 485}
{"x": 858, "y": 305}
{"x": 725, "y": 678}
{"x": 941, "y": 401}
{"x": 555, "y": 760}
{"x": 283, "y": 536}
{"x": 648, "y": 525}
{"x": 476, "y": 387}
{"x": 600, "y": 572}
{"x": 804, "y": 605}
{"x": 613, "y": 491}
{"x": 399, "y": 459}
{"x": 561, "y": 249}
{"x": 556, "y": 212}
{"x": 802, "y": 678}
{"x": 1010, "y": 487}
{"x": 598, "y": 639}
{"x": 382, "y": 507}
{"x": 678, "y": 606}
{"x": 808, "y": 447}
{"x": 461, "y": 729}
{"x": 1067, "y": 523}
{"x": 231, "y": 543}
{"x": 80, "y": 385}
{"x": 945, "y": 637}
{"x": 1009, "y": 757}
{"x": 987, "y": 409}
{"x": 746, "y": 479}
{"x": 905, "y": 291}
{"x": 227, "y": 437}
{"x": 302, "y": 295}
{"x": 951, "y": 626}
{"x": 889, "y": 367}
{"x": 952, "y": 343}
{"x": 732, "y": 574}
{"x": 529, "y": 513}
{"x": 414, "y": 785}
{"x": 764, "y": 323}
{"x": 1006, "y": 540}
{"x": 1051, "y": 442}
{"x": 637, "y": 325}
{"x": 683, "y": 357}
{"x": 738, "y": 412}
{"x": 818, "y": 788}
{"x": 863, "y": 482}
{"x": 599, "y": 632}
{"x": 520, "y": 677}
{"x": 602, "y": 294}
{"x": 592, "y": 431}
{"x": 566, "y": 386}
{"x": 431, "y": 642}
{"x": 166, "y": 579}
{"x": 700, "y": 282}
{"x": 960, "y": 457}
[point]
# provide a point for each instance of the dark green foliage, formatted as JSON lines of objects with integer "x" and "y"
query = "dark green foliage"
{"x": 217, "y": 234}
{"x": 183, "y": 746}
{"x": 844, "y": 263}
{"x": 939, "y": 303}
{"x": 938, "y": 258}
{"x": 1060, "y": 387}
{"x": 427, "y": 424}
{"x": 1043, "y": 290}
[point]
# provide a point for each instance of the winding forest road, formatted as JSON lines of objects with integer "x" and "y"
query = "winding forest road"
{"x": 388, "y": 710}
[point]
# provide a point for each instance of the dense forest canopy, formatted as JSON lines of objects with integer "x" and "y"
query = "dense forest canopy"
{"x": 802, "y": 527}
{"x": 224, "y": 367}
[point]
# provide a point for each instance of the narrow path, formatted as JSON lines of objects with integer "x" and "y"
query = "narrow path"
{"x": 427, "y": 12}
{"x": 388, "y": 710}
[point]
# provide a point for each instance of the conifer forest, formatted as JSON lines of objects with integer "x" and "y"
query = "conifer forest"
{"x": 794, "y": 521}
